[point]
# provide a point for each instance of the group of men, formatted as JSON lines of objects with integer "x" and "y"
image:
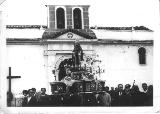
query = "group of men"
{"x": 127, "y": 96}
{"x": 33, "y": 98}
{"x": 132, "y": 96}
{"x": 71, "y": 98}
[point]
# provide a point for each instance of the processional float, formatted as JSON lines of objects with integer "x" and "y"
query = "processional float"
{"x": 78, "y": 77}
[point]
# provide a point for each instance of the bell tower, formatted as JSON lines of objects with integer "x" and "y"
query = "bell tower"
{"x": 68, "y": 16}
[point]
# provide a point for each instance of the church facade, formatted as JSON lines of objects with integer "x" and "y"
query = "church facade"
{"x": 39, "y": 53}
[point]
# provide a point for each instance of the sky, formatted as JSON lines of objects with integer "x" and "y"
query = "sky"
{"x": 109, "y": 13}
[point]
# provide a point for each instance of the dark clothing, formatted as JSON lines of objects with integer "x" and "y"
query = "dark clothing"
{"x": 137, "y": 99}
{"x": 43, "y": 100}
{"x": 127, "y": 99}
{"x": 66, "y": 99}
{"x": 89, "y": 99}
{"x": 114, "y": 98}
{"x": 32, "y": 102}
{"x": 77, "y": 55}
{"x": 24, "y": 102}
{"x": 120, "y": 98}
{"x": 56, "y": 100}
{"x": 149, "y": 101}
{"x": 75, "y": 100}
{"x": 144, "y": 99}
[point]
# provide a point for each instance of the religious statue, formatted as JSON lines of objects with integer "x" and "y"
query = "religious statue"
{"x": 77, "y": 55}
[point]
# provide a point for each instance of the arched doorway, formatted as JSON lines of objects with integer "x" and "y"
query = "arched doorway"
{"x": 62, "y": 71}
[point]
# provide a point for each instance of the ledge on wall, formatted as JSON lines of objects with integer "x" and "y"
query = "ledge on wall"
{"x": 123, "y": 28}
{"x": 39, "y": 41}
{"x": 26, "y": 26}
{"x": 98, "y": 28}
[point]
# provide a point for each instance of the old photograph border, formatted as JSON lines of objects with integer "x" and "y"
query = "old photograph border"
{"x": 49, "y": 110}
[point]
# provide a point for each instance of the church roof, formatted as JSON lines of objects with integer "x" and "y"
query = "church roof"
{"x": 51, "y": 34}
{"x": 25, "y": 26}
{"x": 98, "y": 28}
{"x": 110, "y": 33}
{"x": 123, "y": 28}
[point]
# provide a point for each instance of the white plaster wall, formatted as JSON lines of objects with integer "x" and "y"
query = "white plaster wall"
{"x": 142, "y": 35}
{"x": 121, "y": 64}
{"x": 25, "y": 33}
{"x": 101, "y": 34}
{"x": 124, "y": 35}
{"x": 28, "y": 62}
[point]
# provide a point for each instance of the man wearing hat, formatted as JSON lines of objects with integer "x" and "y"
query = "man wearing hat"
{"x": 144, "y": 94}
{"x": 31, "y": 100}
{"x": 120, "y": 96}
{"x": 127, "y": 96}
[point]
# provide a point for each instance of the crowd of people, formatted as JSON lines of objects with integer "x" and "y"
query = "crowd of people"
{"x": 131, "y": 96}
{"x": 119, "y": 96}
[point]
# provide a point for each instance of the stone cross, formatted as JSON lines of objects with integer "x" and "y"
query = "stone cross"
{"x": 10, "y": 92}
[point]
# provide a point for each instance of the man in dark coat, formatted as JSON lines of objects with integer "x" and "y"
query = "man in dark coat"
{"x": 120, "y": 95}
{"x": 31, "y": 99}
{"x": 89, "y": 99}
{"x": 136, "y": 96}
{"x": 145, "y": 87}
{"x": 144, "y": 94}
{"x": 44, "y": 98}
{"x": 74, "y": 98}
{"x": 149, "y": 93}
{"x": 114, "y": 95}
{"x": 24, "y": 101}
{"x": 56, "y": 99}
{"x": 127, "y": 98}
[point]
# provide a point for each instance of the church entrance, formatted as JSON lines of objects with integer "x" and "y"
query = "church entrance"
{"x": 62, "y": 67}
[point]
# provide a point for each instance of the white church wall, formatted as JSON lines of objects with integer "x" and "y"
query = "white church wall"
{"x": 121, "y": 64}
{"x": 124, "y": 35}
{"x": 142, "y": 35}
{"x": 28, "y": 62}
{"x": 100, "y": 34}
{"x": 24, "y": 33}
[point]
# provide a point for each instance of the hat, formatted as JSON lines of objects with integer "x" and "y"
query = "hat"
{"x": 127, "y": 86}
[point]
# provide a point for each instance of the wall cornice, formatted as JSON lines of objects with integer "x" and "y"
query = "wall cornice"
{"x": 39, "y": 41}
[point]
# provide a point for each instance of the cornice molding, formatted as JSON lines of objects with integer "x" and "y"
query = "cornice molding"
{"x": 26, "y": 26}
{"x": 40, "y": 41}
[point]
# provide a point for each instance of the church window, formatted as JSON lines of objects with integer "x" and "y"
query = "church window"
{"x": 142, "y": 55}
{"x": 60, "y": 15}
{"x": 77, "y": 18}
